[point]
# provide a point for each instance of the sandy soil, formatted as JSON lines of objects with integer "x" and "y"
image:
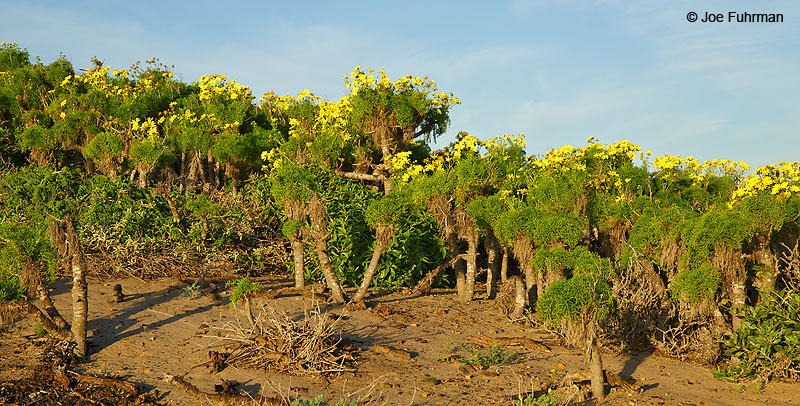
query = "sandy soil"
{"x": 156, "y": 331}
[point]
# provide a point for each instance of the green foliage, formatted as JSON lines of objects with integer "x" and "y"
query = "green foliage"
{"x": 488, "y": 356}
{"x": 767, "y": 345}
{"x": 350, "y": 237}
{"x": 605, "y": 211}
{"x": 554, "y": 227}
{"x": 291, "y": 228}
{"x": 694, "y": 284}
{"x": 413, "y": 251}
{"x": 556, "y": 191}
{"x": 292, "y": 182}
{"x": 655, "y": 224}
{"x": 39, "y": 330}
{"x": 318, "y": 401}
{"x": 486, "y": 210}
{"x": 245, "y": 149}
{"x": 389, "y": 209}
{"x": 766, "y": 212}
{"x": 150, "y": 153}
{"x": 548, "y": 399}
{"x": 22, "y": 246}
{"x": 718, "y": 226}
{"x": 567, "y": 299}
{"x": 473, "y": 178}
{"x": 9, "y": 283}
{"x": 241, "y": 287}
{"x": 117, "y": 212}
{"x": 104, "y": 146}
{"x": 516, "y": 222}
{"x": 577, "y": 260}
{"x": 410, "y": 108}
{"x": 201, "y": 205}
{"x": 438, "y": 184}
{"x": 191, "y": 291}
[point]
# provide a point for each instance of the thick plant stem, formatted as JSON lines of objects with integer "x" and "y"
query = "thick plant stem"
{"x": 383, "y": 234}
{"x": 530, "y": 284}
{"x": 80, "y": 308}
{"x": 504, "y": 266}
{"x": 319, "y": 219}
{"x": 49, "y": 307}
{"x": 370, "y": 273}
{"x": 299, "y": 267}
{"x": 337, "y": 293}
{"x": 61, "y": 333}
{"x": 596, "y": 368}
{"x": 472, "y": 259}
{"x": 520, "y": 297}
{"x": 458, "y": 266}
{"x": 540, "y": 283}
{"x": 491, "y": 244}
{"x": 248, "y": 311}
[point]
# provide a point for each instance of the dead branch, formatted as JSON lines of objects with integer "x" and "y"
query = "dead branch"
{"x": 394, "y": 352}
{"x": 274, "y": 293}
{"x": 424, "y": 285}
{"x": 278, "y": 343}
{"x": 221, "y": 399}
{"x": 526, "y": 342}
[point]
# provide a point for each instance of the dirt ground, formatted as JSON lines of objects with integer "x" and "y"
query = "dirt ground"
{"x": 156, "y": 331}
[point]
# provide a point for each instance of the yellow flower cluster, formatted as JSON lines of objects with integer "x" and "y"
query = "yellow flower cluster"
{"x": 333, "y": 116}
{"x": 144, "y": 129}
{"x": 468, "y": 143}
{"x": 358, "y": 80}
{"x": 564, "y": 159}
{"x": 218, "y": 85}
{"x": 400, "y": 161}
{"x": 406, "y": 170}
{"x": 98, "y": 79}
{"x": 699, "y": 172}
{"x": 568, "y": 158}
{"x": 781, "y": 179}
{"x": 504, "y": 141}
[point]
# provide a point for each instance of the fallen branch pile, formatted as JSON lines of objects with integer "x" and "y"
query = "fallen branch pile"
{"x": 277, "y": 343}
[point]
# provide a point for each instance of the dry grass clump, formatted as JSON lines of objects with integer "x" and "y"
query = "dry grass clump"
{"x": 277, "y": 343}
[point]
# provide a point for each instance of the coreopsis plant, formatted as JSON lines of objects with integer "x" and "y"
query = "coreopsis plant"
{"x": 394, "y": 113}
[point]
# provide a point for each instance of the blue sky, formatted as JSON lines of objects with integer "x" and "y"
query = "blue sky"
{"x": 558, "y": 71}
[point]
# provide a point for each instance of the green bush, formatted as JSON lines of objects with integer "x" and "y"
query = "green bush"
{"x": 567, "y": 299}
{"x": 767, "y": 345}
{"x": 578, "y": 260}
{"x": 414, "y": 250}
{"x": 694, "y": 284}
{"x": 241, "y": 287}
